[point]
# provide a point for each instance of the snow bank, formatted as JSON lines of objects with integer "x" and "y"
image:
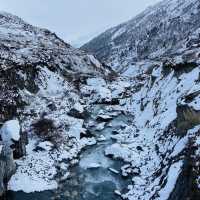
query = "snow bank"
{"x": 10, "y": 130}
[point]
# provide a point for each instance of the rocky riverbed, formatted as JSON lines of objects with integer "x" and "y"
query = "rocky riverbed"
{"x": 95, "y": 176}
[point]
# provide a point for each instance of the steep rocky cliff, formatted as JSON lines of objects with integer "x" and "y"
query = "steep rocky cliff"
{"x": 10, "y": 134}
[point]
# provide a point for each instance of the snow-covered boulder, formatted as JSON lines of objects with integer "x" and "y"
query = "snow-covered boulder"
{"x": 10, "y": 131}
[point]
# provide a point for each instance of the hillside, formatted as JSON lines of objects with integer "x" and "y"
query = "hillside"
{"x": 158, "y": 51}
{"x": 87, "y": 133}
{"x": 162, "y": 30}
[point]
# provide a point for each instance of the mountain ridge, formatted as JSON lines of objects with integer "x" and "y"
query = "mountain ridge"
{"x": 158, "y": 31}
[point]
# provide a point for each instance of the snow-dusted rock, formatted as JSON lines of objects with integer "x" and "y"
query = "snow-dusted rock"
{"x": 10, "y": 131}
{"x": 101, "y": 138}
{"x": 100, "y": 126}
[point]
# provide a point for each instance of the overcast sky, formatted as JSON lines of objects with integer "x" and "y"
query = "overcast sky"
{"x": 73, "y": 20}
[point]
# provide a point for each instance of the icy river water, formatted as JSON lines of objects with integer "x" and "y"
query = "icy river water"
{"x": 95, "y": 177}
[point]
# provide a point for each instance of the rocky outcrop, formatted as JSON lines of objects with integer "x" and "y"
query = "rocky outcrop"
{"x": 19, "y": 147}
{"x": 7, "y": 168}
{"x": 187, "y": 118}
{"x": 186, "y": 186}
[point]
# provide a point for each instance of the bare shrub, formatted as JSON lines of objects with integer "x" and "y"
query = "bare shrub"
{"x": 46, "y": 129}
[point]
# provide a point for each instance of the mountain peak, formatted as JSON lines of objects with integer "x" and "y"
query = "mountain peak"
{"x": 160, "y": 30}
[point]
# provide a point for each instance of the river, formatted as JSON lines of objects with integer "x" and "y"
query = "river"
{"x": 95, "y": 177}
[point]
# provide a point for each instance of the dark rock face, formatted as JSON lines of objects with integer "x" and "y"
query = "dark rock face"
{"x": 103, "y": 119}
{"x": 180, "y": 68}
{"x": 86, "y": 134}
{"x": 7, "y": 168}
{"x": 186, "y": 185}
{"x": 187, "y": 118}
{"x": 113, "y": 101}
{"x": 78, "y": 114}
{"x": 19, "y": 148}
{"x": 7, "y": 155}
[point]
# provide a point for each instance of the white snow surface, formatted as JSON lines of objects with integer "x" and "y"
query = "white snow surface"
{"x": 10, "y": 130}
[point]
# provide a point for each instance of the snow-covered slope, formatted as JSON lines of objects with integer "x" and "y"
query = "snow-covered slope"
{"x": 161, "y": 30}
{"x": 160, "y": 141}
{"x": 39, "y": 83}
{"x": 24, "y": 44}
{"x": 158, "y": 54}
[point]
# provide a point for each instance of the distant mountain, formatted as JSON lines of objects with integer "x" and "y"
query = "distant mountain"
{"x": 161, "y": 30}
{"x": 86, "y": 38}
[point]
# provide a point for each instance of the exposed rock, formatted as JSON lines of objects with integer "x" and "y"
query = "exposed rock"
{"x": 19, "y": 147}
{"x": 115, "y": 132}
{"x": 113, "y": 101}
{"x": 103, "y": 118}
{"x": 86, "y": 134}
{"x": 7, "y": 168}
{"x": 78, "y": 114}
{"x": 13, "y": 146}
{"x": 180, "y": 67}
{"x": 187, "y": 118}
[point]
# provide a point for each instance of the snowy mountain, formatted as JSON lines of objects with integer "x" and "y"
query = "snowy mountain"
{"x": 158, "y": 54}
{"x": 92, "y": 134}
{"x": 78, "y": 42}
{"x": 23, "y": 44}
{"x": 161, "y": 30}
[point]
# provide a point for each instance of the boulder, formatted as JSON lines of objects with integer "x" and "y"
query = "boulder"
{"x": 78, "y": 114}
{"x": 103, "y": 118}
{"x": 13, "y": 146}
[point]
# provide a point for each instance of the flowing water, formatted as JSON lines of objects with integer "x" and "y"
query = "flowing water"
{"x": 91, "y": 179}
